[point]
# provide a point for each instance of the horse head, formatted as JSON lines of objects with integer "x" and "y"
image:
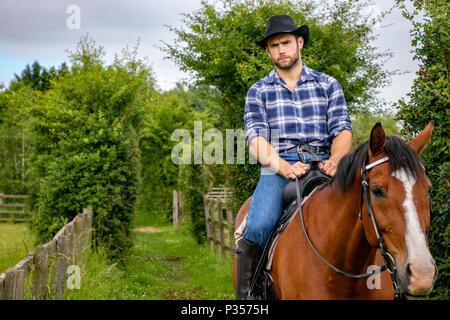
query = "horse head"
{"x": 399, "y": 196}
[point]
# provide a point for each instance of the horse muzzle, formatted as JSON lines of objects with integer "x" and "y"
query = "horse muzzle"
{"x": 419, "y": 277}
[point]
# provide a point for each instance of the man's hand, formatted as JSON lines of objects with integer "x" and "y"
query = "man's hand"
{"x": 329, "y": 167}
{"x": 297, "y": 169}
{"x": 269, "y": 158}
{"x": 340, "y": 146}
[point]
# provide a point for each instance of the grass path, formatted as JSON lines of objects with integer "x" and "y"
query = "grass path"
{"x": 16, "y": 241}
{"x": 165, "y": 264}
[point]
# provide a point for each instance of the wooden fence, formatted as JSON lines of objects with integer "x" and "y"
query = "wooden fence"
{"x": 44, "y": 270}
{"x": 219, "y": 220}
{"x": 12, "y": 208}
{"x": 177, "y": 204}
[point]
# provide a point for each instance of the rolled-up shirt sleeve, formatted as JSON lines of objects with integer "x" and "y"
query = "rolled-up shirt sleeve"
{"x": 337, "y": 113}
{"x": 255, "y": 116}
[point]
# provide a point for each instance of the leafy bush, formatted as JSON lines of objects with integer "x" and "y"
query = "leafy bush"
{"x": 362, "y": 124}
{"x": 14, "y": 134}
{"x": 14, "y": 137}
{"x": 172, "y": 110}
{"x": 429, "y": 100}
{"x": 84, "y": 148}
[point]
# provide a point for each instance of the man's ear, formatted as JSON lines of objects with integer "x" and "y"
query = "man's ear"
{"x": 300, "y": 42}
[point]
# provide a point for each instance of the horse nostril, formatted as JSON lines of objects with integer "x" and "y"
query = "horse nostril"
{"x": 408, "y": 271}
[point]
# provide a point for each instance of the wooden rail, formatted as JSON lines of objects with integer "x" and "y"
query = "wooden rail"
{"x": 219, "y": 220}
{"x": 13, "y": 211}
{"x": 44, "y": 270}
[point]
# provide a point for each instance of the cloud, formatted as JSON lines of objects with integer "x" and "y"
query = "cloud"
{"x": 37, "y": 30}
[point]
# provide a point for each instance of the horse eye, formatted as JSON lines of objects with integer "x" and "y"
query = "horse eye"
{"x": 378, "y": 192}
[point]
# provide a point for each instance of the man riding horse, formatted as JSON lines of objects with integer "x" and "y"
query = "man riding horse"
{"x": 292, "y": 105}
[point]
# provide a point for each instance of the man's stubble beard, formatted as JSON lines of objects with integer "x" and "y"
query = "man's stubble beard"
{"x": 294, "y": 62}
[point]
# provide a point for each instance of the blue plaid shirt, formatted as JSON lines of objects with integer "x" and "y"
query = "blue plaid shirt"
{"x": 314, "y": 113}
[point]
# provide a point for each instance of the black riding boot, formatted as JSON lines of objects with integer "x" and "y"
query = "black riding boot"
{"x": 248, "y": 255}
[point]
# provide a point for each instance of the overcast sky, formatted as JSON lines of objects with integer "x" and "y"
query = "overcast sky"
{"x": 38, "y": 30}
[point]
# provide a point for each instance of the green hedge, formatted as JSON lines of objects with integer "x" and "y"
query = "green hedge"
{"x": 429, "y": 99}
{"x": 84, "y": 149}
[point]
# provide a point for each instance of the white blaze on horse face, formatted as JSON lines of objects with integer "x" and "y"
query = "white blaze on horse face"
{"x": 415, "y": 238}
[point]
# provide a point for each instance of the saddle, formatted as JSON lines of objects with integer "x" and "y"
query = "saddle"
{"x": 261, "y": 286}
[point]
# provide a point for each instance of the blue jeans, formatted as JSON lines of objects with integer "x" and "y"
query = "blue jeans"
{"x": 266, "y": 206}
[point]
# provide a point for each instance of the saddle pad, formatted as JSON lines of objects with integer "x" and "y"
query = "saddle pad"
{"x": 275, "y": 235}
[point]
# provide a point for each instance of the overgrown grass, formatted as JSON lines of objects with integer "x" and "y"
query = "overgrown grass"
{"x": 16, "y": 241}
{"x": 165, "y": 263}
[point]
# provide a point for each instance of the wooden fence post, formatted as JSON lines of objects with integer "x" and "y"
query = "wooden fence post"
{"x": 88, "y": 213}
{"x": 207, "y": 220}
{"x": 61, "y": 262}
{"x": 2, "y": 287}
{"x": 41, "y": 270}
{"x": 175, "y": 208}
{"x": 14, "y": 284}
{"x": 180, "y": 207}
{"x": 212, "y": 214}
{"x": 221, "y": 227}
{"x": 78, "y": 230}
{"x": 230, "y": 221}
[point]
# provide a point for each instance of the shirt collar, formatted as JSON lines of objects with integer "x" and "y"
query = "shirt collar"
{"x": 306, "y": 73}
{"x": 273, "y": 77}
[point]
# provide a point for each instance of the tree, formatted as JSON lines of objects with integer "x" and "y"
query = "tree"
{"x": 19, "y": 96}
{"x": 15, "y": 137}
{"x": 216, "y": 46}
{"x": 362, "y": 125}
{"x": 38, "y": 77}
{"x": 84, "y": 149}
{"x": 179, "y": 108}
{"x": 429, "y": 99}
{"x": 170, "y": 111}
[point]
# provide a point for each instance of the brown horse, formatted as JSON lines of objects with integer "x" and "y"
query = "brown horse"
{"x": 343, "y": 233}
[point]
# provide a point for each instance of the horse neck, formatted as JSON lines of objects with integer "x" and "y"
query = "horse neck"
{"x": 341, "y": 229}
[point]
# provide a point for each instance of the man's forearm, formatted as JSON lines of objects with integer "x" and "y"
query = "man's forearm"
{"x": 341, "y": 145}
{"x": 263, "y": 151}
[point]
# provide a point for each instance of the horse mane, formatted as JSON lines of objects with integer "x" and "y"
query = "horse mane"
{"x": 399, "y": 153}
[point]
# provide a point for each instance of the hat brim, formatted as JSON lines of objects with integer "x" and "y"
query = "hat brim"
{"x": 302, "y": 31}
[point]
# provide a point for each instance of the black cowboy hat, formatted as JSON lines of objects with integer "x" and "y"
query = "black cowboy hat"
{"x": 283, "y": 23}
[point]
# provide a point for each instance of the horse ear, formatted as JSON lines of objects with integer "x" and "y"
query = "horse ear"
{"x": 419, "y": 142}
{"x": 377, "y": 139}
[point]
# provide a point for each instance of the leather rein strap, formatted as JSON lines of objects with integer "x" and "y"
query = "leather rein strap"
{"x": 389, "y": 261}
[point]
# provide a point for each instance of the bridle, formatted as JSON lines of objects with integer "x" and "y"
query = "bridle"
{"x": 388, "y": 259}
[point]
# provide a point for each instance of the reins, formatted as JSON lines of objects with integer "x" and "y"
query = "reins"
{"x": 389, "y": 261}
